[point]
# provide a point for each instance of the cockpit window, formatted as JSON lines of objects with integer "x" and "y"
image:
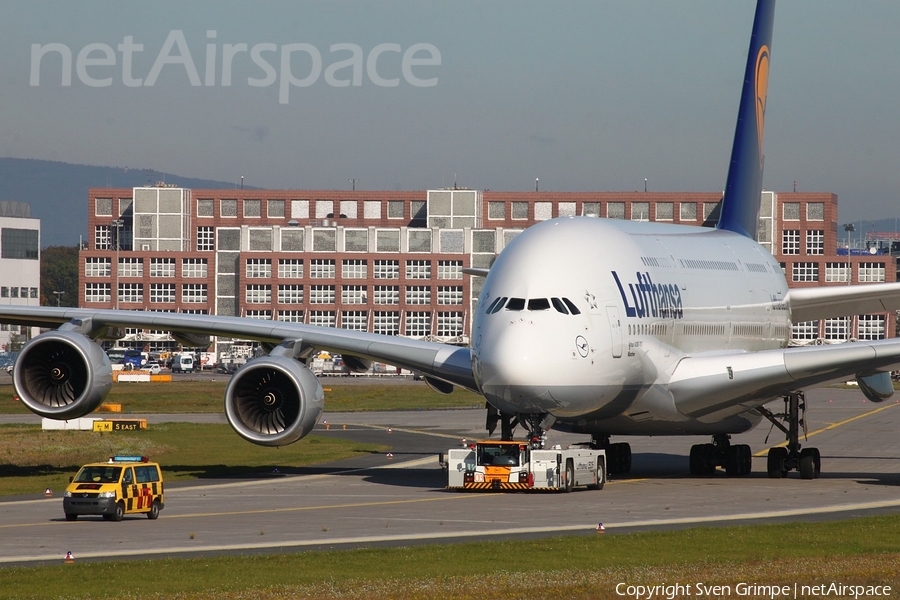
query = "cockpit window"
{"x": 516, "y": 304}
{"x": 572, "y": 308}
{"x": 559, "y": 306}
{"x": 538, "y": 304}
{"x": 493, "y": 305}
{"x": 497, "y": 306}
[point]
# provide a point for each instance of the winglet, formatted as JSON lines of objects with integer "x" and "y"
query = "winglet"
{"x": 740, "y": 206}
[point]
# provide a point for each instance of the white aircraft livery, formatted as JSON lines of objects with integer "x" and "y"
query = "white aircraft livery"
{"x": 603, "y": 327}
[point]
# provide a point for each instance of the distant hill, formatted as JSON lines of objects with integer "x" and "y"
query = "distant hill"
{"x": 58, "y": 192}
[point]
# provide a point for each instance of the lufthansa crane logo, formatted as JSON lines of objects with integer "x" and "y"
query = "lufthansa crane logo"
{"x": 762, "y": 89}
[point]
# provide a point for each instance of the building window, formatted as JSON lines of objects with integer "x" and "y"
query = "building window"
{"x": 194, "y": 267}
{"x": 97, "y": 267}
{"x": 418, "y": 269}
{"x": 449, "y": 324}
{"x": 418, "y": 324}
{"x": 387, "y": 269}
{"x": 640, "y": 211}
{"x": 131, "y": 267}
{"x": 615, "y": 210}
{"x": 355, "y": 320}
{"x": 386, "y": 323}
{"x": 520, "y": 211}
{"x": 228, "y": 207}
{"x": 321, "y": 318}
{"x": 870, "y": 327}
{"x": 790, "y": 241}
{"x": 688, "y": 211}
{"x": 815, "y": 211}
{"x": 356, "y": 240}
{"x": 815, "y": 241}
{"x": 353, "y": 294}
{"x": 290, "y": 294}
{"x": 387, "y": 294}
{"x": 837, "y": 329}
{"x": 871, "y": 272}
{"x": 259, "y": 268}
{"x": 102, "y": 237}
{"x": 275, "y": 209}
{"x": 418, "y": 294}
{"x": 290, "y": 268}
{"x": 387, "y": 240}
{"x": 290, "y": 316}
{"x": 263, "y": 315}
{"x": 837, "y": 272}
{"x": 395, "y": 209}
{"x": 193, "y": 293}
{"x": 590, "y": 209}
{"x": 292, "y": 240}
{"x": 131, "y": 292}
{"x": 103, "y": 207}
{"x": 805, "y": 271}
{"x": 206, "y": 238}
{"x": 258, "y": 293}
{"x": 162, "y": 292}
{"x": 791, "y": 211}
{"x": 450, "y": 269}
{"x": 97, "y": 292}
{"x": 162, "y": 267}
{"x": 321, "y": 268}
{"x": 665, "y": 211}
{"x": 252, "y": 208}
{"x": 805, "y": 331}
{"x": 496, "y": 210}
{"x": 206, "y": 207}
{"x": 354, "y": 268}
{"x": 321, "y": 294}
{"x": 450, "y": 295}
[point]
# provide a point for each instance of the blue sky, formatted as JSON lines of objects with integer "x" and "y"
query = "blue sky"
{"x": 589, "y": 95}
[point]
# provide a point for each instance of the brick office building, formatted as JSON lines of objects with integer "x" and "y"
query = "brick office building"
{"x": 391, "y": 262}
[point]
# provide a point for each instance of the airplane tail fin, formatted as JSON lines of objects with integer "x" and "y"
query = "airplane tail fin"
{"x": 740, "y": 206}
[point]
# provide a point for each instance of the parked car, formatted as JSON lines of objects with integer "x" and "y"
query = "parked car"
{"x": 153, "y": 367}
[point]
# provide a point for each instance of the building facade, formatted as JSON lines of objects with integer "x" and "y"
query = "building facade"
{"x": 20, "y": 267}
{"x": 392, "y": 262}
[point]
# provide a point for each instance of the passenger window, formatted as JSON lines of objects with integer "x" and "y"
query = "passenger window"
{"x": 516, "y": 304}
{"x": 538, "y": 304}
{"x": 572, "y": 308}
{"x": 559, "y": 306}
{"x": 128, "y": 479}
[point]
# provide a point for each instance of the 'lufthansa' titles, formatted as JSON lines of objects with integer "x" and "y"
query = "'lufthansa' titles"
{"x": 648, "y": 299}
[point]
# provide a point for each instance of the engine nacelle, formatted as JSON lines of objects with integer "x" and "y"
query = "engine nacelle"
{"x": 62, "y": 375}
{"x": 273, "y": 401}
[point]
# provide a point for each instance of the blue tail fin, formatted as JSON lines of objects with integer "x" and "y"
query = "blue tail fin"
{"x": 740, "y": 206}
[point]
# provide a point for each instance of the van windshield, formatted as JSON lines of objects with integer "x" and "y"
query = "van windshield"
{"x": 98, "y": 474}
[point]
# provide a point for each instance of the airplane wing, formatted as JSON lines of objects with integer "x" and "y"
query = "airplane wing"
{"x": 451, "y": 364}
{"x": 810, "y": 304}
{"x": 715, "y": 386}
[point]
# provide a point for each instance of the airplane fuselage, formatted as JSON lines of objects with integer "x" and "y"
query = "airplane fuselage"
{"x": 586, "y": 319}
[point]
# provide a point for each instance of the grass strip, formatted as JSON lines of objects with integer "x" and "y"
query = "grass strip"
{"x": 32, "y": 460}
{"x": 862, "y": 551}
{"x": 206, "y": 396}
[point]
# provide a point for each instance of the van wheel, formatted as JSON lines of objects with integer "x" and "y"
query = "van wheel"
{"x": 154, "y": 511}
{"x": 120, "y": 512}
{"x": 71, "y": 517}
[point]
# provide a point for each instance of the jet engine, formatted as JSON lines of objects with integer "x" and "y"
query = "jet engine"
{"x": 273, "y": 401}
{"x": 62, "y": 375}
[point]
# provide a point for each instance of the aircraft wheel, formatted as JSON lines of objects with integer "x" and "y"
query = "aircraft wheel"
{"x": 698, "y": 460}
{"x": 775, "y": 462}
{"x": 810, "y": 463}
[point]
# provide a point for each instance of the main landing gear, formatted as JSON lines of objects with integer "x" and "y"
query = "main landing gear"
{"x": 618, "y": 456}
{"x": 782, "y": 459}
{"x": 736, "y": 458}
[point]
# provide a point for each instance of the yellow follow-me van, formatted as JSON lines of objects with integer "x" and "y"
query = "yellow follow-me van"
{"x": 123, "y": 485}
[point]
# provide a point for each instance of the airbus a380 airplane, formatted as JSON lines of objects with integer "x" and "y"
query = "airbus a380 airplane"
{"x": 599, "y": 326}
